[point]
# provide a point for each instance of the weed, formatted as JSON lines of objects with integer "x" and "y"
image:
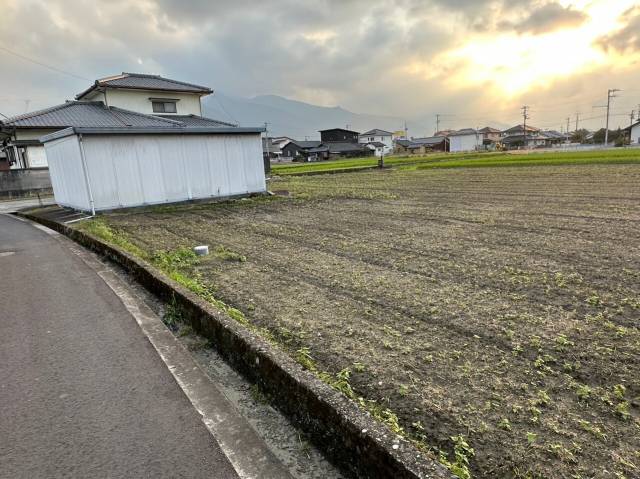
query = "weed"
{"x": 532, "y": 437}
{"x": 358, "y": 367}
{"x": 622, "y": 410}
{"x": 619, "y": 391}
{"x": 583, "y": 392}
{"x": 303, "y": 356}
{"x": 403, "y": 390}
{"x": 462, "y": 453}
{"x": 592, "y": 429}
{"x": 504, "y": 424}
{"x": 594, "y": 300}
{"x": 228, "y": 255}
{"x": 257, "y": 395}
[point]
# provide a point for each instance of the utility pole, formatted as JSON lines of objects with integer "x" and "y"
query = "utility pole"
{"x": 610, "y": 95}
{"x": 577, "y": 118}
{"x": 406, "y": 131}
{"x": 437, "y": 123}
{"x": 568, "y": 120}
{"x": 632, "y": 117}
{"x": 525, "y": 117}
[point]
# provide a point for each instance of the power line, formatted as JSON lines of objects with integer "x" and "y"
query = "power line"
{"x": 36, "y": 62}
{"x": 217, "y": 97}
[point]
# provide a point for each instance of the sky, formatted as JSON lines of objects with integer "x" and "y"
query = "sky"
{"x": 474, "y": 62}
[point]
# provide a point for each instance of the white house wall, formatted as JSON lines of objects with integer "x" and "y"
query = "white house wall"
{"x": 138, "y": 100}
{"x": 67, "y": 175}
{"x": 635, "y": 135}
{"x": 133, "y": 170}
{"x": 464, "y": 142}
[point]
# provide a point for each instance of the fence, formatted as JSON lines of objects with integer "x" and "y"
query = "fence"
{"x": 21, "y": 183}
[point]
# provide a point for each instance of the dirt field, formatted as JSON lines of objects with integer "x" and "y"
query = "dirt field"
{"x": 494, "y": 307}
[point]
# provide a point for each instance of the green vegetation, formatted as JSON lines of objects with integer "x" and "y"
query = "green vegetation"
{"x": 465, "y": 160}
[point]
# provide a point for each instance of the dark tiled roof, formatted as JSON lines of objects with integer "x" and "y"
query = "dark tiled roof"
{"x": 432, "y": 140}
{"x": 376, "y": 144}
{"x": 195, "y": 120}
{"x": 335, "y": 147}
{"x": 488, "y": 129}
{"x": 145, "y": 82}
{"x": 404, "y": 143}
{"x": 306, "y": 144}
{"x": 92, "y": 114}
{"x": 464, "y": 131}
{"x": 519, "y": 128}
{"x": 339, "y": 129}
{"x": 375, "y": 132}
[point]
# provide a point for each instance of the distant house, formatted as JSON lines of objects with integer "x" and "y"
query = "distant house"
{"x": 296, "y": 150}
{"x": 466, "y": 139}
{"x": 338, "y": 135}
{"x": 516, "y": 137}
{"x": 385, "y": 138}
{"x": 422, "y": 145}
{"x": 634, "y": 133}
{"x": 490, "y": 136}
{"x": 554, "y": 137}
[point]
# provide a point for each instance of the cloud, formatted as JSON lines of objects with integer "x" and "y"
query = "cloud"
{"x": 548, "y": 18}
{"x": 627, "y": 38}
{"x": 371, "y": 56}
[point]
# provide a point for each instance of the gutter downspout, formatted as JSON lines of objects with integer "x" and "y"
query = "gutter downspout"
{"x": 86, "y": 175}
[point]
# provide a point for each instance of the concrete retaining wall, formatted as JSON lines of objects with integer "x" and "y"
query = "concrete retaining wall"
{"x": 351, "y": 438}
{"x": 21, "y": 183}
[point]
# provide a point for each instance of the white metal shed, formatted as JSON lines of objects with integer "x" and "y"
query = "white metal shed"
{"x": 95, "y": 169}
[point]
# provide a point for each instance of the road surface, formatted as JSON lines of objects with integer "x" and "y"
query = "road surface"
{"x": 82, "y": 391}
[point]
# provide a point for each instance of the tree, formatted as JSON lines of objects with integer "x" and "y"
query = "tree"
{"x": 579, "y": 136}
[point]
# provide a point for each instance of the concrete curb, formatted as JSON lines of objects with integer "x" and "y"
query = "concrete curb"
{"x": 350, "y": 437}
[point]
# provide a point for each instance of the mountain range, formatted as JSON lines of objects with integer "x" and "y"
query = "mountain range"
{"x": 296, "y": 119}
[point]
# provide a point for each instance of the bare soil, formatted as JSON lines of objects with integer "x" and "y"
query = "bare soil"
{"x": 500, "y": 304}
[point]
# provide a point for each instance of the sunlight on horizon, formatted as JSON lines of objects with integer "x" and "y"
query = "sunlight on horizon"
{"x": 514, "y": 63}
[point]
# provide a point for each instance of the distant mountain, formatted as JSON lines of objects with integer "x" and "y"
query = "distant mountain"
{"x": 297, "y": 119}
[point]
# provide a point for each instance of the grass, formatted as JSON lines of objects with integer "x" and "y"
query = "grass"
{"x": 462, "y": 160}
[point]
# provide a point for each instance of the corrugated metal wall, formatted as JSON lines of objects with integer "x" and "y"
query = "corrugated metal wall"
{"x": 134, "y": 170}
{"x": 67, "y": 176}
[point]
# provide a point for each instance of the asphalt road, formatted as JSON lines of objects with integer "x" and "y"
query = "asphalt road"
{"x": 82, "y": 391}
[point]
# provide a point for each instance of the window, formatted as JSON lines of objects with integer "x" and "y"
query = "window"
{"x": 164, "y": 106}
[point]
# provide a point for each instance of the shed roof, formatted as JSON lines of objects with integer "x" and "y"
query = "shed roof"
{"x": 86, "y": 113}
{"x": 141, "y": 81}
{"x": 149, "y": 131}
{"x": 404, "y": 143}
{"x": 432, "y": 140}
{"x": 377, "y": 132}
{"x": 338, "y": 147}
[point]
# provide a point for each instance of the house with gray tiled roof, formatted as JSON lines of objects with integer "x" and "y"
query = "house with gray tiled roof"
{"x": 371, "y": 137}
{"x": 128, "y": 99}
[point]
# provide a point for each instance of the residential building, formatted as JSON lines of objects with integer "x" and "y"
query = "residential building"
{"x": 516, "y": 137}
{"x": 490, "y": 136}
{"x": 297, "y": 150}
{"x": 338, "y": 135}
{"x": 377, "y": 136}
{"x": 150, "y": 94}
{"x": 120, "y": 100}
{"x": 466, "y": 139}
{"x": 422, "y": 145}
